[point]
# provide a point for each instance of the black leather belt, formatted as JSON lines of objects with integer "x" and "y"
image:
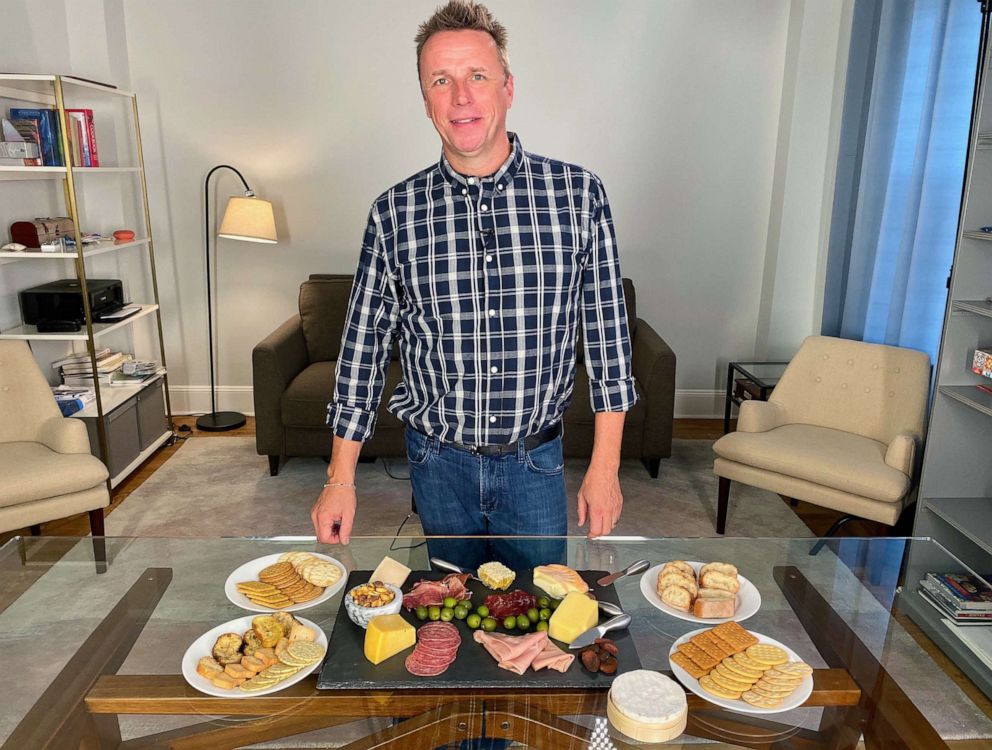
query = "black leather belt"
{"x": 530, "y": 443}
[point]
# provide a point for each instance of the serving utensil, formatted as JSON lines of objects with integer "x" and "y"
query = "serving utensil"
{"x": 633, "y": 569}
{"x": 437, "y": 562}
{"x": 589, "y": 637}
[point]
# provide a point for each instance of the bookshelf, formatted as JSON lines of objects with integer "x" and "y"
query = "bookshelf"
{"x": 126, "y": 423}
{"x": 955, "y": 496}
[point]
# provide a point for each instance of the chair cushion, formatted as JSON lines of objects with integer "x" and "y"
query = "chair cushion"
{"x": 323, "y": 307}
{"x": 32, "y": 471}
{"x": 304, "y": 402}
{"x": 827, "y": 457}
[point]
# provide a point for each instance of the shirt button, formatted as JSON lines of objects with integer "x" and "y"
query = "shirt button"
{"x": 471, "y": 180}
{"x": 489, "y": 259}
{"x": 500, "y": 186}
{"x": 492, "y": 420}
{"x": 483, "y": 207}
{"x": 492, "y": 313}
{"x": 494, "y": 369}
{"x": 464, "y": 191}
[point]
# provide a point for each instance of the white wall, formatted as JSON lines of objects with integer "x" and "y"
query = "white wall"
{"x": 710, "y": 124}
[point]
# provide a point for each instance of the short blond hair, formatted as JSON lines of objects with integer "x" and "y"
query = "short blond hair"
{"x": 464, "y": 15}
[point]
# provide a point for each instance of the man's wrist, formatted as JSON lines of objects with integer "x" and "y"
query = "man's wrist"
{"x": 339, "y": 484}
{"x": 605, "y": 465}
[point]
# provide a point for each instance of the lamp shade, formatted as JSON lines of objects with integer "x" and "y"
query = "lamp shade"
{"x": 248, "y": 218}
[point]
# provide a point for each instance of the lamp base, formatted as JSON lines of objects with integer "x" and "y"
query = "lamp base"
{"x": 220, "y": 421}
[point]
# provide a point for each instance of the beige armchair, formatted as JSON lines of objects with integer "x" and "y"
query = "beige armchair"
{"x": 46, "y": 469}
{"x": 842, "y": 429}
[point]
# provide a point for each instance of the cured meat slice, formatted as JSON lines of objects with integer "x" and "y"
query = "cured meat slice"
{"x": 429, "y": 593}
{"x": 518, "y": 652}
{"x": 437, "y": 647}
{"x": 515, "y": 602}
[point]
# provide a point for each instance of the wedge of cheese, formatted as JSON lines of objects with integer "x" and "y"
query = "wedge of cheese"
{"x": 558, "y": 580}
{"x": 386, "y": 636}
{"x": 574, "y": 616}
{"x": 390, "y": 571}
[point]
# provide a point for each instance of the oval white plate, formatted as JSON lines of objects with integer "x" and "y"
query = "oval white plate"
{"x": 796, "y": 699}
{"x": 203, "y": 645}
{"x": 249, "y": 572}
{"x": 748, "y": 598}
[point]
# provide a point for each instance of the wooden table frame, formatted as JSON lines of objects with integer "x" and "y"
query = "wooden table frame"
{"x": 81, "y": 708}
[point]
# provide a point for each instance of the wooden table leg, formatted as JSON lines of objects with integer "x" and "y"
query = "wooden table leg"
{"x": 59, "y": 715}
{"x": 886, "y": 714}
{"x": 451, "y": 722}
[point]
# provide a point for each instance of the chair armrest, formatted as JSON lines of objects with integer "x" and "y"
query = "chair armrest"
{"x": 64, "y": 435}
{"x": 901, "y": 453}
{"x": 653, "y": 366}
{"x": 275, "y": 361}
{"x": 760, "y": 416}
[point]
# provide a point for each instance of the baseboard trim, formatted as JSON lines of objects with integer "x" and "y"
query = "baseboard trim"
{"x": 195, "y": 399}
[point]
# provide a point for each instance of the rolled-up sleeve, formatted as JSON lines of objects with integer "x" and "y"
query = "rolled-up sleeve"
{"x": 604, "y": 315}
{"x": 365, "y": 342}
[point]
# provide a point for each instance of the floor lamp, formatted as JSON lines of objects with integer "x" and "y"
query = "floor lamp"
{"x": 246, "y": 218}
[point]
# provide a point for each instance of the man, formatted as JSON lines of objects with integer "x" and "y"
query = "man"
{"x": 482, "y": 267}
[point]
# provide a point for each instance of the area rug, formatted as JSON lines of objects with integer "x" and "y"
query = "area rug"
{"x": 217, "y": 487}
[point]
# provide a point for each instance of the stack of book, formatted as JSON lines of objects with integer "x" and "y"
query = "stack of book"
{"x": 41, "y": 128}
{"x": 70, "y": 399}
{"x": 76, "y": 369}
{"x": 964, "y": 598}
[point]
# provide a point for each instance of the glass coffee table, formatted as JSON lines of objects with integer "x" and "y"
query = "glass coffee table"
{"x": 94, "y": 634}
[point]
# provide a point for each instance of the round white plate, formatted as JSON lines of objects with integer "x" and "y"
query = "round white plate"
{"x": 748, "y": 598}
{"x": 249, "y": 572}
{"x": 796, "y": 699}
{"x": 203, "y": 645}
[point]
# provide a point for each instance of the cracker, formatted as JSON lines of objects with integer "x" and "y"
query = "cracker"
{"x": 765, "y": 653}
{"x": 728, "y": 683}
{"x": 321, "y": 573}
{"x": 737, "y": 668}
{"x": 768, "y": 689}
{"x": 800, "y": 668}
{"x": 687, "y": 664}
{"x": 274, "y": 571}
{"x": 706, "y": 644}
{"x": 707, "y": 684}
{"x": 732, "y": 633}
{"x": 720, "y": 669}
{"x": 760, "y": 701}
{"x": 699, "y": 656}
{"x": 725, "y": 648}
{"x": 745, "y": 661}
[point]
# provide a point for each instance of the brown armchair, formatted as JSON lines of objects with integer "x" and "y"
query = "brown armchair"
{"x": 293, "y": 378}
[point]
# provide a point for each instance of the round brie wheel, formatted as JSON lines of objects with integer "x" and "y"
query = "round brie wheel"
{"x": 649, "y": 697}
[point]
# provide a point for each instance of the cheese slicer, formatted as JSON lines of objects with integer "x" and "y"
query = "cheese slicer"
{"x": 633, "y": 569}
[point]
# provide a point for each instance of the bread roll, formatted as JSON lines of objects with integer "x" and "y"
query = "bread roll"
{"x": 677, "y": 597}
{"x": 722, "y": 567}
{"x": 714, "y": 579}
{"x": 715, "y": 603}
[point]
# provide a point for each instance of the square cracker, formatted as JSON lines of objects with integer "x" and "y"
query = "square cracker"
{"x": 687, "y": 664}
{"x": 703, "y": 659}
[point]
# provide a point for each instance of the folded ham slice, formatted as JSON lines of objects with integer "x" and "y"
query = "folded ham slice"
{"x": 517, "y": 652}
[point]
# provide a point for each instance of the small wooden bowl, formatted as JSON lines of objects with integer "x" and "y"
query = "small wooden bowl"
{"x": 644, "y": 731}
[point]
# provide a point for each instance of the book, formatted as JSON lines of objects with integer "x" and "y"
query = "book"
{"x": 90, "y": 152}
{"x": 86, "y": 380}
{"x": 80, "y": 357}
{"x": 967, "y": 591}
{"x": 959, "y": 618}
{"x": 48, "y": 131}
{"x": 24, "y": 152}
{"x": 74, "y": 132}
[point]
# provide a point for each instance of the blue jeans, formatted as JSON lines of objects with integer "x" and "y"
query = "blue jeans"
{"x": 515, "y": 495}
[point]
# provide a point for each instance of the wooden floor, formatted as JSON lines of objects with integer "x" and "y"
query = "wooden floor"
{"x": 816, "y": 518}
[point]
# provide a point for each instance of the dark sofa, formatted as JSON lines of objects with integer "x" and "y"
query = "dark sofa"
{"x": 293, "y": 379}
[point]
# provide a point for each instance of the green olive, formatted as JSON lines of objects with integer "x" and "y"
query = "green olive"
{"x": 434, "y": 612}
{"x": 542, "y": 625}
{"x": 533, "y": 615}
{"x": 421, "y": 612}
{"x": 489, "y": 624}
{"x": 450, "y": 602}
{"x": 544, "y": 614}
{"x": 461, "y": 612}
{"x": 510, "y": 622}
{"x": 553, "y": 605}
{"x": 474, "y": 621}
{"x": 523, "y": 623}
{"x": 543, "y": 602}
{"x": 447, "y": 614}
{"x": 482, "y": 611}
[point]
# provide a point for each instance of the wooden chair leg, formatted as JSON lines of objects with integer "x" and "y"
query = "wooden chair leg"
{"x": 652, "y": 465}
{"x": 273, "y": 466}
{"x": 96, "y": 522}
{"x": 35, "y": 529}
{"x": 723, "y": 500}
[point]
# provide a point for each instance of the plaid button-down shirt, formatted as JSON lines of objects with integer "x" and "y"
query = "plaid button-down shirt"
{"x": 483, "y": 281}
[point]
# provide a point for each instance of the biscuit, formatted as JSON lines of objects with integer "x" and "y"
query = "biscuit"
{"x": 780, "y": 679}
{"x": 687, "y": 664}
{"x": 760, "y": 701}
{"x": 706, "y": 644}
{"x": 728, "y": 683}
{"x": 765, "y": 653}
{"x": 737, "y": 668}
{"x": 731, "y": 675}
{"x": 745, "y": 661}
{"x": 771, "y": 692}
{"x": 800, "y": 668}
{"x": 321, "y": 573}
{"x": 277, "y": 570}
{"x": 735, "y": 635}
{"x": 707, "y": 684}
{"x": 699, "y": 656}
{"x": 304, "y": 651}
{"x": 724, "y": 648}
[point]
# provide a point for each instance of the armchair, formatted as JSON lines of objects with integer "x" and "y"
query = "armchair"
{"x": 46, "y": 469}
{"x": 842, "y": 429}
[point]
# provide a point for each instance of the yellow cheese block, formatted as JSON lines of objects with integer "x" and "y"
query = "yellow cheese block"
{"x": 390, "y": 571}
{"x": 386, "y": 636}
{"x": 574, "y": 616}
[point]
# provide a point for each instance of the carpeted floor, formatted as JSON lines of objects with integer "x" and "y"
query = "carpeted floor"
{"x": 221, "y": 487}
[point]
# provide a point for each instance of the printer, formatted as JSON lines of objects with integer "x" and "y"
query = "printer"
{"x": 63, "y": 300}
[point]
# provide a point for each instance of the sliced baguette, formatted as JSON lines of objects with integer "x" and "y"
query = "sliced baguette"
{"x": 722, "y": 567}
{"x": 714, "y": 603}
{"x": 677, "y": 597}
{"x": 714, "y": 579}
{"x": 680, "y": 565}
{"x": 674, "y": 578}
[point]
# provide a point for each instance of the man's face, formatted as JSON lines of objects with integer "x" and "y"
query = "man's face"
{"x": 465, "y": 94}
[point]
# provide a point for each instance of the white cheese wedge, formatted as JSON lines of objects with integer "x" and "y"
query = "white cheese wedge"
{"x": 649, "y": 697}
{"x": 390, "y": 571}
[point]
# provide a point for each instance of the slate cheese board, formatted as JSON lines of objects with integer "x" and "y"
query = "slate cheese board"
{"x": 346, "y": 668}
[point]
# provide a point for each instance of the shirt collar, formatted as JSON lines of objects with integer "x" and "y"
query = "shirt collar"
{"x": 506, "y": 171}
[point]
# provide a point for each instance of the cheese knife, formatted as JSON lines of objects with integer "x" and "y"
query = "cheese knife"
{"x": 589, "y": 637}
{"x": 633, "y": 569}
{"x": 437, "y": 562}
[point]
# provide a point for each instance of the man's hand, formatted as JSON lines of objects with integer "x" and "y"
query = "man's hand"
{"x": 600, "y": 500}
{"x": 333, "y": 515}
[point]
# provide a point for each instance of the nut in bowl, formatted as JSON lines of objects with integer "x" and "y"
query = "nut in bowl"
{"x": 368, "y": 600}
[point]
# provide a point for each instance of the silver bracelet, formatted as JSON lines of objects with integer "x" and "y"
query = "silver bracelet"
{"x": 340, "y": 484}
